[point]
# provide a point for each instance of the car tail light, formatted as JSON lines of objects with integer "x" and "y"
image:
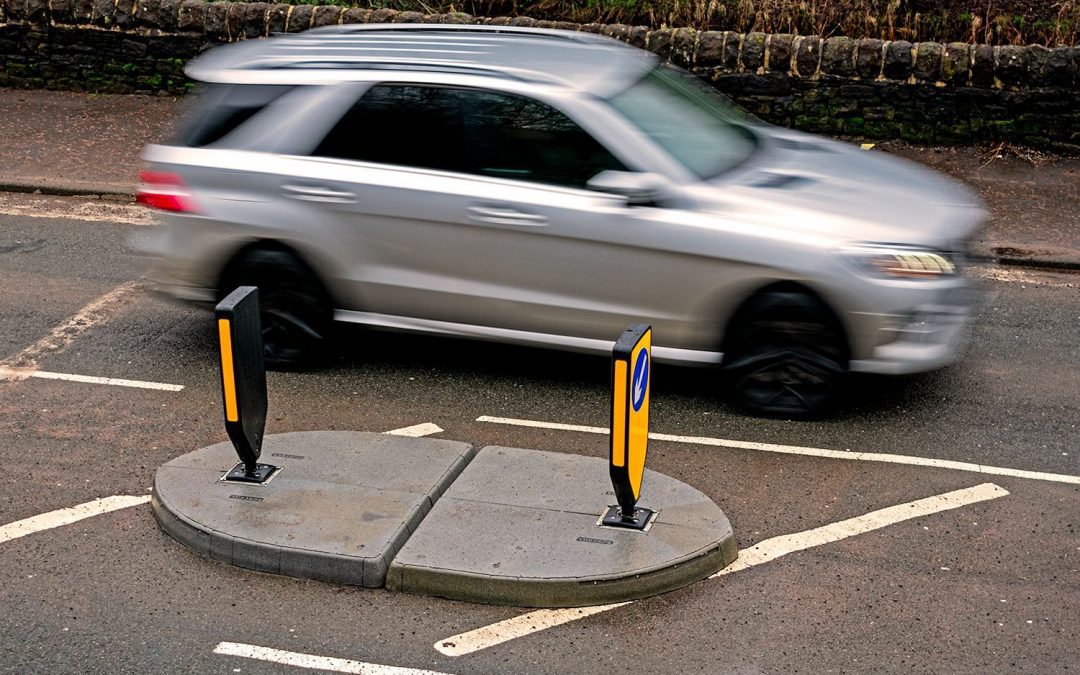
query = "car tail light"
{"x": 165, "y": 191}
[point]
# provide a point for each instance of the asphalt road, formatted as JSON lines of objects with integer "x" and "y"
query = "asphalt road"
{"x": 991, "y": 586}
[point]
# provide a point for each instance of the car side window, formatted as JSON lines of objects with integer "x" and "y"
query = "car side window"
{"x": 468, "y": 131}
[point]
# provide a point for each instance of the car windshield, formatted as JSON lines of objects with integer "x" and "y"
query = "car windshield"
{"x": 699, "y": 127}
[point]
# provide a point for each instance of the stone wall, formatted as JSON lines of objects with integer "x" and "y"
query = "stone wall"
{"x": 924, "y": 92}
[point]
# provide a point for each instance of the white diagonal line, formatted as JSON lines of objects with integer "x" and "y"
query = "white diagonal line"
{"x": 73, "y": 514}
{"x": 762, "y": 552}
{"x": 13, "y": 374}
{"x": 314, "y": 662}
{"x": 909, "y": 460}
{"x": 416, "y": 430}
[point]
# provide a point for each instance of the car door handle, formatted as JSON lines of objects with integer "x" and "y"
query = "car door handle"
{"x": 505, "y": 216}
{"x": 318, "y": 193}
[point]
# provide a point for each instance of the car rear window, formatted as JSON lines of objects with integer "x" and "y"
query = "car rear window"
{"x": 218, "y": 109}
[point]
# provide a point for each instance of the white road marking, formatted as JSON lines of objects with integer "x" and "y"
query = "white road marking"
{"x": 416, "y": 430}
{"x": 1015, "y": 275}
{"x": 314, "y": 662}
{"x": 73, "y": 514}
{"x": 75, "y": 208}
{"x": 762, "y": 552}
{"x": 771, "y": 549}
{"x": 14, "y": 374}
{"x": 808, "y": 452}
{"x": 60, "y": 337}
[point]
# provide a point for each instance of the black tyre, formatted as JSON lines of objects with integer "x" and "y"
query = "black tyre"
{"x": 295, "y": 309}
{"x": 786, "y": 356}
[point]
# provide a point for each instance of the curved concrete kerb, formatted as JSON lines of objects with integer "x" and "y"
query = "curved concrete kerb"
{"x": 339, "y": 509}
{"x": 431, "y": 516}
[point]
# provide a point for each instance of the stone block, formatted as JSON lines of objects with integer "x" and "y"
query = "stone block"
{"x": 638, "y": 36}
{"x": 753, "y": 52}
{"x": 124, "y": 14}
{"x": 927, "y": 66}
{"x": 84, "y": 10}
{"x": 732, "y": 48}
{"x": 452, "y": 18}
{"x": 1061, "y": 67}
{"x": 300, "y": 18}
{"x": 103, "y": 13}
{"x": 254, "y": 23}
{"x": 779, "y": 52}
{"x": 617, "y": 31}
{"x": 147, "y": 14}
{"x": 683, "y": 43}
{"x": 659, "y": 43}
{"x": 382, "y": 16}
{"x": 526, "y": 21}
{"x": 192, "y": 16}
{"x": 709, "y": 52}
{"x": 1012, "y": 65}
{"x": 217, "y": 27}
{"x": 407, "y": 17}
{"x": 37, "y": 11}
{"x": 328, "y": 15}
{"x": 169, "y": 15}
{"x": 982, "y": 66}
{"x": 956, "y": 63}
{"x": 807, "y": 56}
{"x": 60, "y": 11}
{"x": 591, "y": 28}
{"x": 838, "y": 57}
{"x": 898, "y": 60}
{"x": 277, "y": 19}
{"x": 236, "y": 20}
{"x": 868, "y": 58}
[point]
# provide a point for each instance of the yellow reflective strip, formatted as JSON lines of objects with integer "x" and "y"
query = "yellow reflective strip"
{"x": 228, "y": 378}
{"x": 618, "y": 415}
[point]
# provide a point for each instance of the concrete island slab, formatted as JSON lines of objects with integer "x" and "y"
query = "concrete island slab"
{"x": 338, "y": 511}
{"x": 519, "y": 527}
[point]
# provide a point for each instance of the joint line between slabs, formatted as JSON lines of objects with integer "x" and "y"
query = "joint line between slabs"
{"x": 910, "y": 460}
{"x": 762, "y": 552}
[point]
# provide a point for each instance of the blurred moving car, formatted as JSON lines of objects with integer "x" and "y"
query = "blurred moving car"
{"x": 549, "y": 188}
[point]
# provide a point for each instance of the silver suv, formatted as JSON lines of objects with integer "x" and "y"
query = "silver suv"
{"x": 549, "y": 188}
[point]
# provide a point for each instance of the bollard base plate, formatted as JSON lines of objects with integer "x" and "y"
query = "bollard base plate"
{"x": 641, "y": 520}
{"x": 239, "y": 474}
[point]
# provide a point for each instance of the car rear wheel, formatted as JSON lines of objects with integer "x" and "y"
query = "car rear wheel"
{"x": 786, "y": 356}
{"x": 294, "y": 308}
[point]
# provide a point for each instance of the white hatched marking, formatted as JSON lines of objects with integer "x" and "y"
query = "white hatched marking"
{"x": 73, "y": 514}
{"x": 762, "y": 552}
{"x": 12, "y": 374}
{"x": 314, "y": 662}
{"x": 808, "y": 452}
{"x": 59, "y": 338}
{"x": 416, "y": 430}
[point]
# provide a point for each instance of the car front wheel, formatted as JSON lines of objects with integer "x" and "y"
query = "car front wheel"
{"x": 786, "y": 356}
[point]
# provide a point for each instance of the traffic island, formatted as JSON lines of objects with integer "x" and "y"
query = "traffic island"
{"x": 337, "y": 509}
{"x": 522, "y": 527}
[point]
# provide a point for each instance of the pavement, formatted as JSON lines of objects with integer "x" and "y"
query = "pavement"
{"x": 66, "y": 143}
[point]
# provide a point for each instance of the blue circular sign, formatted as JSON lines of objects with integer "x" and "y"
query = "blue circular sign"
{"x": 640, "y": 380}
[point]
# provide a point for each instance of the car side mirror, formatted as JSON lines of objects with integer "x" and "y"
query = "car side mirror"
{"x": 639, "y": 189}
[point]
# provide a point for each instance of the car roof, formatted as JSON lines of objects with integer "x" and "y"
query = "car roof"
{"x": 576, "y": 60}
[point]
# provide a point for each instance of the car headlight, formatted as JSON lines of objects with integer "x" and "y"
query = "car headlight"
{"x": 901, "y": 262}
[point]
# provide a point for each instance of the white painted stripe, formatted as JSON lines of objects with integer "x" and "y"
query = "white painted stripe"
{"x": 314, "y": 662}
{"x": 73, "y": 514}
{"x": 9, "y": 373}
{"x": 763, "y": 552}
{"x": 75, "y": 208}
{"x": 808, "y": 452}
{"x": 771, "y": 549}
{"x": 416, "y": 430}
{"x": 60, "y": 337}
